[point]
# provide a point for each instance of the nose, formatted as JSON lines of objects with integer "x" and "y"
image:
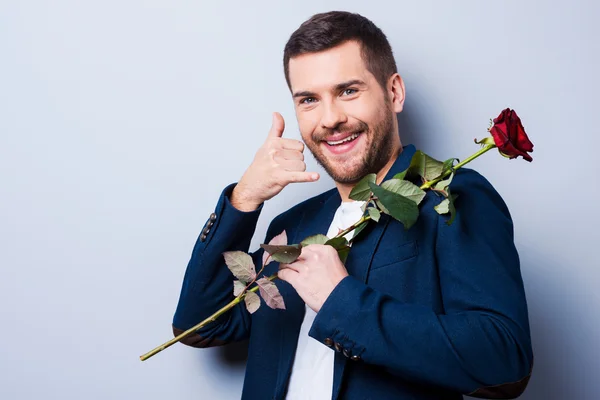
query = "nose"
{"x": 333, "y": 115}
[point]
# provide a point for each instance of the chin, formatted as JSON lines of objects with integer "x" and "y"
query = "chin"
{"x": 345, "y": 175}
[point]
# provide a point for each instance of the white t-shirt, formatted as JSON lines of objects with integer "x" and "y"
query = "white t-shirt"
{"x": 312, "y": 371}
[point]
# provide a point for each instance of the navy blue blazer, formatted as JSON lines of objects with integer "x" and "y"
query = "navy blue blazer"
{"x": 432, "y": 312}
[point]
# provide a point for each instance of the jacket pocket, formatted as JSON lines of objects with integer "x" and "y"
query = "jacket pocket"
{"x": 392, "y": 253}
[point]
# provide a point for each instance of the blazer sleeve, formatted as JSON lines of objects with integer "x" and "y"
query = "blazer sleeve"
{"x": 480, "y": 345}
{"x": 208, "y": 283}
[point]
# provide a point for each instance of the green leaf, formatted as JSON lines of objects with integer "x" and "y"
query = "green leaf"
{"x": 443, "y": 185}
{"x": 252, "y": 302}
{"x": 382, "y": 207}
{"x": 337, "y": 242}
{"x": 240, "y": 264}
{"x": 404, "y": 188}
{"x": 364, "y": 206}
{"x": 443, "y": 207}
{"x": 399, "y": 207}
{"x": 270, "y": 294}
{"x": 341, "y": 245}
{"x": 452, "y": 198}
{"x": 374, "y": 214}
{"x": 400, "y": 175}
{"x": 314, "y": 239}
{"x": 425, "y": 166}
{"x": 361, "y": 191}
{"x": 283, "y": 254}
{"x": 447, "y": 206}
{"x": 449, "y": 163}
{"x": 343, "y": 253}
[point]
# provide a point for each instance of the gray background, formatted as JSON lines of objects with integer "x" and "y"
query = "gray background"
{"x": 121, "y": 122}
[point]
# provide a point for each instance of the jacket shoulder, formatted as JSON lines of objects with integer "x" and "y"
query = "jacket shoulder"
{"x": 473, "y": 183}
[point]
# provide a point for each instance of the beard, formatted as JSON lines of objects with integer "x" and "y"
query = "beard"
{"x": 379, "y": 138}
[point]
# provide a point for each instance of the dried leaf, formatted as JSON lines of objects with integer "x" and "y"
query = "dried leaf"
{"x": 238, "y": 288}
{"x": 283, "y": 254}
{"x": 270, "y": 293}
{"x": 278, "y": 240}
{"x": 252, "y": 302}
{"x": 240, "y": 264}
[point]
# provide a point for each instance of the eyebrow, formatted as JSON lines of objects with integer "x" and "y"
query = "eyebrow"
{"x": 336, "y": 88}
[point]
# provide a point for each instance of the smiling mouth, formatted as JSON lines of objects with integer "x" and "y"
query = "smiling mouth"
{"x": 345, "y": 140}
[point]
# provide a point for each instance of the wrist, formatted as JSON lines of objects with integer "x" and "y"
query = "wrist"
{"x": 242, "y": 202}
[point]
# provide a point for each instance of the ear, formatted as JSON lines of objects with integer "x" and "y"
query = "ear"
{"x": 396, "y": 92}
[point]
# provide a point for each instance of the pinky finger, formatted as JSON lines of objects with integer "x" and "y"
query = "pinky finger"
{"x": 287, "y": 274}
{"x": 297, "y": 176}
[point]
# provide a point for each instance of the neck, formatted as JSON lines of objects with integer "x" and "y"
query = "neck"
{"x": 345, "y": 188}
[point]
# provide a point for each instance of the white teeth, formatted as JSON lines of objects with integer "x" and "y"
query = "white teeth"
{"x": 349, "y": 138}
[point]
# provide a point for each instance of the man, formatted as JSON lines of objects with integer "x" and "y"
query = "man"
{"x": 432, "y": 312}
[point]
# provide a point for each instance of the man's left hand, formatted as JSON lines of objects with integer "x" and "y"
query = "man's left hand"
{"x": 315, "y": 274}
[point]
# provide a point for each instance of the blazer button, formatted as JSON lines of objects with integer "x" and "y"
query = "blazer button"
{"x": 355, "y": 358}
{"x": 338, "y": 347}
{"x": 328, "y": 342}
{"x": 346, "y": 353}
{"x": 202, "y": 237}
{"x": 213, "y": 216}
{"x": 206, "y": 230}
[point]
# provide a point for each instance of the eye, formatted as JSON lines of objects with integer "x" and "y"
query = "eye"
{"x": 307, "y": 100}
{"x": 349, "y": 91}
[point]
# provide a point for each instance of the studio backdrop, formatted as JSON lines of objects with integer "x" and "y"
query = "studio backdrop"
{"x": 122, "y": 121}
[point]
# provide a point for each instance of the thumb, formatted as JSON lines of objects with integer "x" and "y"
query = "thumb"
{"x": 277, "y": 126}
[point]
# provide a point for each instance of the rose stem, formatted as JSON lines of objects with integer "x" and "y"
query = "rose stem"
{"x": 473, "y": 156}
{"x": 238, "y": 299}
{"x": 201, "y": 324}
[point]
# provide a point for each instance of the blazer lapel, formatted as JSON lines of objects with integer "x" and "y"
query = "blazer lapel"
{"x": 357, "y": 264}
{"x": 363, "y": 247}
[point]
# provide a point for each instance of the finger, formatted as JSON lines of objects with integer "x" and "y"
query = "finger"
{"x": 277, "y": 126}
{"x": 305, "y": 251}
{"x": 292, "y": 165}
{"x": 291, "y": 154}
{"x": 288, "y": 275}
{"x": 292, "y": 144}
{"x": 298, "y": 176}
{"x": 293, "y": 266}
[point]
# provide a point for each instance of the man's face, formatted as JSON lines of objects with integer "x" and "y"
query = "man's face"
{"x": 337, "y": 98}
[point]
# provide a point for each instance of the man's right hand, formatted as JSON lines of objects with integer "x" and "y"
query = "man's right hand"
{"x": 277, "y": 163}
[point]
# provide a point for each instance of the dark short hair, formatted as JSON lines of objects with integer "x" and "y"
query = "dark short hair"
{"x": 326, "y": 30}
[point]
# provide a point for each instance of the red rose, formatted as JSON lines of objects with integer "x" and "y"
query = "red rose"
{"x": 509, "y": 135}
